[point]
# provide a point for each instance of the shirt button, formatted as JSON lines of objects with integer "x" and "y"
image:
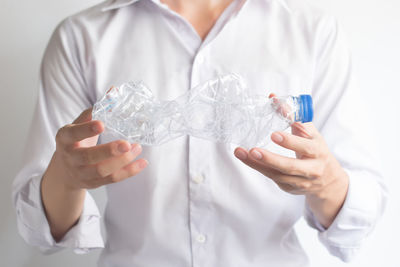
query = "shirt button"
{"x": 198, "y": 179}
{"x": 201, "y": 238}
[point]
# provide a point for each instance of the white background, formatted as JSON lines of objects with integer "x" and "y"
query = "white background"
{"x": 373, "y": 30}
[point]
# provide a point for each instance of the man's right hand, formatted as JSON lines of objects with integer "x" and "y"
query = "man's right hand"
{"x": 83, "y": 164}
{"x": 79, "y": 164}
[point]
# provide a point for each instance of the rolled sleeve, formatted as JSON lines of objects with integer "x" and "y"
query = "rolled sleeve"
{"x": 35, "y": 230}
{"x": 63, "y": 94}
{"x": 357, "y": 218}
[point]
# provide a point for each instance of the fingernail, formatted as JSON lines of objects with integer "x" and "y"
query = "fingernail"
{"x": 241, "y": 154}
{"x": 143, "y": 164}
{"x": 136, "y": 148}
{"x": 95, "y": 128}
{"x": 277, "y": 137}
{"x": 256, "y": 154}
{"x": 123, "y": 148}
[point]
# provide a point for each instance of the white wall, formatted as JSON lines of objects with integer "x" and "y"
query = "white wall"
{"x": 373, "y": 28}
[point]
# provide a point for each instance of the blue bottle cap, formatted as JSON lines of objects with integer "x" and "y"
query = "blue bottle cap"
{"x": 306, "y": 108}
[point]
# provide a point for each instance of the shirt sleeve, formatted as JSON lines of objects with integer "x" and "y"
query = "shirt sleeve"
{"x": 342, "y": 118}
{"x": 63, "y": 95}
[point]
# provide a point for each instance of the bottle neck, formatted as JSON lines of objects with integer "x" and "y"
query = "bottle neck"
{"x": 297, "y": 116}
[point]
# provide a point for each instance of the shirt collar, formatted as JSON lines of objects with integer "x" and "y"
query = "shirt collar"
{"x": 114, "y": 4}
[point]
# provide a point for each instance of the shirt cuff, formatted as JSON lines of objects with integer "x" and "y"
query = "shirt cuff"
{"x": 34, "y": 227}
{"x": 361, "y": 209}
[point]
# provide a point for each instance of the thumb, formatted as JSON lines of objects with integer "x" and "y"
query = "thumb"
{"x": 85, "y": 116}
{"x": 306, "y": 130}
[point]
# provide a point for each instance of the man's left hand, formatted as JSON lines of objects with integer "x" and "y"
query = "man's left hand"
{"x": 314, "y": 172}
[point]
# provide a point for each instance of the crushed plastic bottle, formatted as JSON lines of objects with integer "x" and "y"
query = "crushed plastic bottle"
{"x": 219, "y": 110}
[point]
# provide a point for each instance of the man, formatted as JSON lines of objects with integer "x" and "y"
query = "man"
{"x": 192, "y": 202}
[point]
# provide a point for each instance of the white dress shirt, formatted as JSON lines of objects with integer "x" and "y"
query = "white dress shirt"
{"x": 196, "y": 204}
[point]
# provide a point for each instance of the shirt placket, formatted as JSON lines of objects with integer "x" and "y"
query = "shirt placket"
{"x": 201, "y": 204}
{"x": 199, "y": 178}
{"x": 200, "y": 196}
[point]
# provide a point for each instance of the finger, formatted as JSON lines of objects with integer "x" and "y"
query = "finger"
{"x": 73, "y": 133}
{"x": 296, "y": 190}
{"x": 306, "y": 130}
{"x": 301, "y": 145}
{"x": 281, "y": 107}
{"x": 244, "y": 156}
{"x": 95, "y": 154}
{"x": 285, "y": 165}
{"x": 127, "y": 171}
{"x": 297, "y": 183}
{"x": 85, "y": 116}
{"x": 112, "y": 165}
{"x": 270, "y": 172}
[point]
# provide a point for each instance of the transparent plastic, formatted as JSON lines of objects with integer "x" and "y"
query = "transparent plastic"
{"x": 219, "y": 110}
